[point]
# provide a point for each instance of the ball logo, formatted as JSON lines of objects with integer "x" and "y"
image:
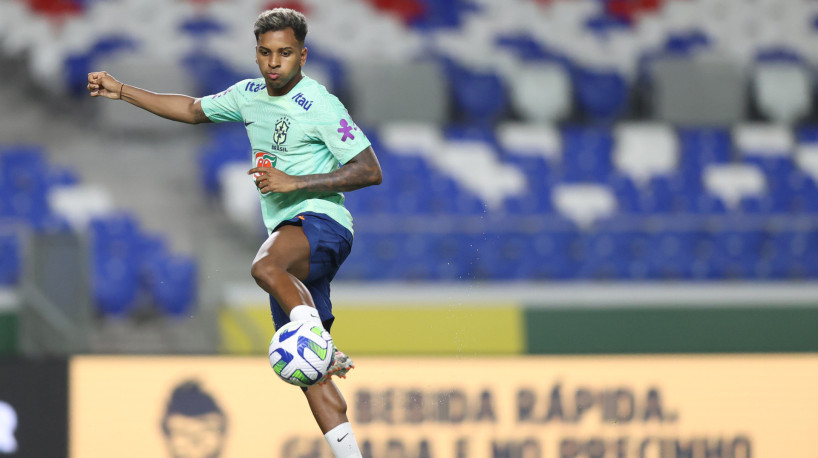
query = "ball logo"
{"x": 264, "y": 159}
{"x": 8, "y": 424}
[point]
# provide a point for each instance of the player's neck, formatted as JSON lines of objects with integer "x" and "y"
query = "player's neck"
{"x": 273, "y": 92}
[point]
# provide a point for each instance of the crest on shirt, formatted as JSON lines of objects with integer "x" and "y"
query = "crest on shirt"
{"x": 280, "y": 133}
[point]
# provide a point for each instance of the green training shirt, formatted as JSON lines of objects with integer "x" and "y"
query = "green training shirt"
{"x": 306, "y": 131}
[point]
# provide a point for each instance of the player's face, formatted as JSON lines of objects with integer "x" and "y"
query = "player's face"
{"x": 280, "y": 58}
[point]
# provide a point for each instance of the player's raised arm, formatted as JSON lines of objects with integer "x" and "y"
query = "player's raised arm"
{"x": 359, "y": 172}
{"x": 176, "y": 107}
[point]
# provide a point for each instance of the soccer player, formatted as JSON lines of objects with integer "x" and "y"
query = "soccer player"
{"x": 306, "y": 152}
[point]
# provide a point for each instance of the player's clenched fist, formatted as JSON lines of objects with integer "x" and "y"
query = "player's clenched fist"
{"x": 270, "y": 179}
{"x": 105, "y": 85}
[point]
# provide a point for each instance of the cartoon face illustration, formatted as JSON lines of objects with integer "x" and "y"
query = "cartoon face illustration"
{"x": 194, "y": 425}
{"x": 8, "y": 424}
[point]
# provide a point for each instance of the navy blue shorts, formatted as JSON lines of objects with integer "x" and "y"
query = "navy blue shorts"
{"x": 330, "y": 244}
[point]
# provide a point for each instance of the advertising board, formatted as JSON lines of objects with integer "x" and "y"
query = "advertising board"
{"x": 33, "y": 408}
{"x": 676, "y": 406}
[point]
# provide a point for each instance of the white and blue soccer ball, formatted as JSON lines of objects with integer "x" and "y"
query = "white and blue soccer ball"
{"x": 301, "y": 353}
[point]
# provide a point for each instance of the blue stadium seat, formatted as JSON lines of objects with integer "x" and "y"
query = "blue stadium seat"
{"x": 199, "y": 27}
{"x": 228, "y": 144}
{"x": 736, "y": 253}
{"x": 456, "y": 256}
{"x": 480, "y": 96}
{"x": 524, "y": 47}
{"x": 790, "y": 254}
{"x": 687, "y": 42}
{"x": 702, "y": 146}
{"x": 602, "y": 94}
{"x": 671, "y": 254}
{"x": 115, "y": 285}
{"x": 115, "y": 276}
{"x": 441, "y": 14}
{"x": 175, "y": 284}
{"x": 803, "y": 192}
{"x": 23, "y": 168}
{"x": 602, "y": 24}
{"x": 212, "y": 74}
{"x": 626, "y": 192}
{"x": 500, "y": 254}
{"x": 586, "y": 154}
{"x": 607, "y": 255}
{"x": 529, "y": 204}
{"x": 78, "y": 65}
{"x": 11, "y": 259}
{"x": 708, "y": 204}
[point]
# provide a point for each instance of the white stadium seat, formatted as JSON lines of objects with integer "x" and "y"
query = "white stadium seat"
{"x": 584, "y": 203}
{"x": 533, "y": 139}
{"x": 733, "y": 182}
{"x": 782, "y": 91}
{"x": 644, "y": 150}
{"x": 756, "y": 139}
{"x": 541, "y": 92}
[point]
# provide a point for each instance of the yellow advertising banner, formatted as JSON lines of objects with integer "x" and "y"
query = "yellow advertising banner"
{"x": 720, "y": 406}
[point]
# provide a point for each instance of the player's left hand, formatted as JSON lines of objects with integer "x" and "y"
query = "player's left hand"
{"x": 270, "y": 179}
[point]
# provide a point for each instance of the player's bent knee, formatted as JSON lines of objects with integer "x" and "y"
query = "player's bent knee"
{"x": 264, "y": 273}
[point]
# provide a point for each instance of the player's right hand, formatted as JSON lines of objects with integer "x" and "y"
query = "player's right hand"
{"x": 104, "y": 85}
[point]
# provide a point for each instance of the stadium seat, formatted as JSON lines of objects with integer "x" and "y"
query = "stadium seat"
{"x": 584, "y": 203}
{"x": 79, "y": 204}
{"x": 769, "y": 140}
{"x": 486, "y": 176}
{"x": 480, "y": 97}
{"x": 601, "y": 94}
{"x": 607, "y": 255}
{"x": 530, "y": 139}
{"x": 736, "y": 252}
{"x": 732, "y": 182}
{"x": 541, "y": 93}
{"x": 586, "y": 154}
{"x": 643, "y": 151}
{"x": 671, "y": 254}
{"x": 115, "y": 285}
{"x": 11, "y": 259}
{"x": 782, "y": 91}
{"x": 174, "y": 285}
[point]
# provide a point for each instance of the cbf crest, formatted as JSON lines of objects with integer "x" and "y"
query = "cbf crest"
{"x": 280, "y": 133}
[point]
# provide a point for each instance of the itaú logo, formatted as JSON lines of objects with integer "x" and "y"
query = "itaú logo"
{"x": 8, "y": 423}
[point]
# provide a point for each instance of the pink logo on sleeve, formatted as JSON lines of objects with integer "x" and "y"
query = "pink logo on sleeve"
{"x": 346, "y": 130}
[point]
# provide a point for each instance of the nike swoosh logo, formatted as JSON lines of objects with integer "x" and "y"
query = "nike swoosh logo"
{"x": 287, "y": 334}
{"x": 342, "y": 437}
{"x": 248, "y": 123}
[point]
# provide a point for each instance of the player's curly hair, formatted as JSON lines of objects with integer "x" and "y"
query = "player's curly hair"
{"x": 280, "y": 19}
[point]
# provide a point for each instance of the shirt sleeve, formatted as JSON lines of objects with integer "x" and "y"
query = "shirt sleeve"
{"x": 224, "y": 106}
{"x": 339, "y": 133}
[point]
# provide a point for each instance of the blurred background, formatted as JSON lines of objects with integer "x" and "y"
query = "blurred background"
{"x": 561, "y": 177}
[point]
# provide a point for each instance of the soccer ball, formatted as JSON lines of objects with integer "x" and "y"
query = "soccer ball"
{"x": 301, "y": 353}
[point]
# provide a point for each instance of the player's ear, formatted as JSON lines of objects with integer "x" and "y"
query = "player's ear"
{"x": 303, "y": 56}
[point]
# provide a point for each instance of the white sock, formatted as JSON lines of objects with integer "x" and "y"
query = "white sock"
{"x": 342, "y": 441}
{"x": 305, "y": 313}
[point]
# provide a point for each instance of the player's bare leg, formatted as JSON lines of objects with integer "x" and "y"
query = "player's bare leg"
{"x": 327, "y": 405}
{"x": 280, "y": 268}
{"x": 282, "y": 264}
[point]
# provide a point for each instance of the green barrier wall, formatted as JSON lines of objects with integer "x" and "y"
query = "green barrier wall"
{"x": 671, "y": 330}
{"x": 9, "y": 323}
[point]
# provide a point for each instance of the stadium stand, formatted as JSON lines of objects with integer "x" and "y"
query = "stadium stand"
{"x": 37, "y": 196}
{"x": 528, "y": 140}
